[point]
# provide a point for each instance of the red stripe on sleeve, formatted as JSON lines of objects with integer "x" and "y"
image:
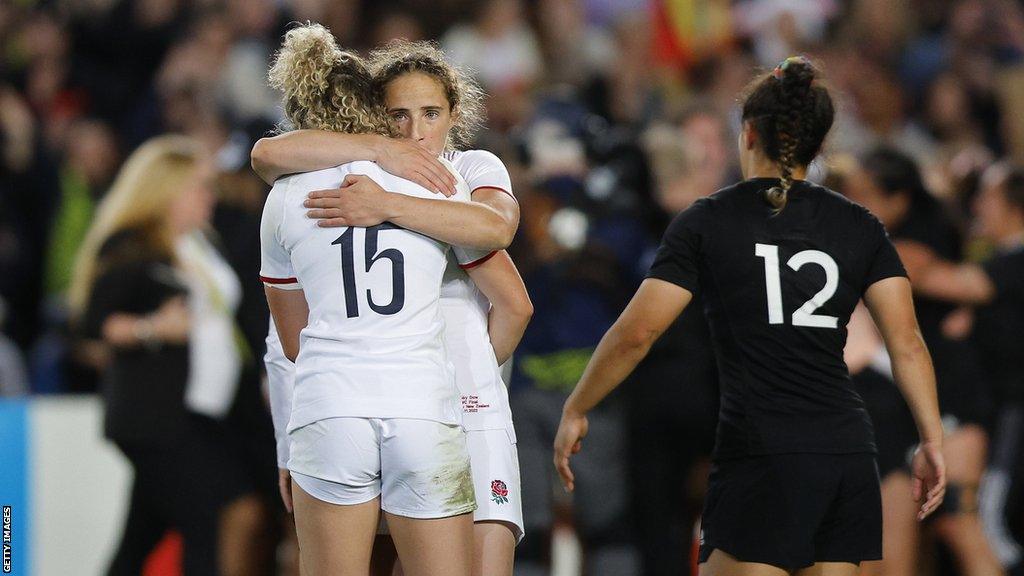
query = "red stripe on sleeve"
{"x": 478, "y": 262}
{"x": 267, "y": 280}
{"x": 494, "y": 188}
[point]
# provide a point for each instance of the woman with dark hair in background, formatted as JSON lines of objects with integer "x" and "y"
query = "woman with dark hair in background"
{"x": 888, "y": 183}
{"x": 673, "y": 393}
{"x": 794, "y": 486}
{"x": 152, "y": 290}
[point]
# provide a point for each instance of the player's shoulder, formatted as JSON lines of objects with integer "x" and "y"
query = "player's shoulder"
{"x": 722, "y": 199}
{"x": 480, "y": 160}
{"x": 843, "y": 206}
{"x": 830, "y": 195}
{"x": 474, "y": 156}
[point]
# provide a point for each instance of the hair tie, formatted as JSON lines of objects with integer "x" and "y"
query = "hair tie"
{"x": 780, "y": 70}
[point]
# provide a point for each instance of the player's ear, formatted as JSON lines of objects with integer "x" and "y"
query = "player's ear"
{"x": 749, "y": 135}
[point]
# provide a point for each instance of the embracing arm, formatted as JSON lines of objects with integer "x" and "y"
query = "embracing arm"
{"x": 470, "y": 224}
{"x": 362, "y": 202}
{"x": 511, "y": 308}
{"x": 308, "y": 150}
{"x": 941, "y": 279}
{"x": 291, "y": 313}
{"x": 960, "y": 283}
{"x": 654, "y": 307}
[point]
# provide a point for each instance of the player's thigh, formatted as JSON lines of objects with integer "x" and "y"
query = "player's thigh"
{"x": 494, "y": 548}
{"x": 720, "y": 563}
{"x": 900, "y": 529}
{"x": 966, "y": 451}
{"x": 334, "y": 540}
{"x": 433, "y": 547}
{"x": 829, "y": 569}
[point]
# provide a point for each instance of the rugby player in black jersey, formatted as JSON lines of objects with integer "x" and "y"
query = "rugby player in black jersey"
{"x": 781, "y": 264}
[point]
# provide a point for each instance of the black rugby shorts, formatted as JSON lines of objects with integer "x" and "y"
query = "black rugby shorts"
{"x": 793, "y": 510}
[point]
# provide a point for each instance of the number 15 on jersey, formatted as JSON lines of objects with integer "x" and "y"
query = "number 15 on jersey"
{"x": 348, "y": 270}
{"x": 804, "y": 316}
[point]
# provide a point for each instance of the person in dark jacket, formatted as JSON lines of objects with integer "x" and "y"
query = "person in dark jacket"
{"x": 142, "y": 272}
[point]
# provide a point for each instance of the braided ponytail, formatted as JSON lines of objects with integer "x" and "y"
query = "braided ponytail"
{"x": 792, "y": 115}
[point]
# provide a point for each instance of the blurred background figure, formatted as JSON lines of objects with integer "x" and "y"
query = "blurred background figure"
{"x": 889, "y": 184}
{"x": 154, "y": 302}
{"x": 612, "y": 116}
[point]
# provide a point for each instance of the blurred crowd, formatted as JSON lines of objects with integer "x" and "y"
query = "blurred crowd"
{"x": 612, "y": 116}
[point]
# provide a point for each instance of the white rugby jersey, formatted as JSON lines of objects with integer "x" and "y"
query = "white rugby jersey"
{"x": 280, "y": 384}
{"x": 373, "y": 346}
{"x": 484, "y": 396}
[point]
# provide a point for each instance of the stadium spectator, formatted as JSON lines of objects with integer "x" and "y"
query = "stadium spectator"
{"x": 153, "y": 297}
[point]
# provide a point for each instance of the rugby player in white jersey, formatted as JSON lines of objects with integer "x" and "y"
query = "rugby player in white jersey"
{"x": 435, "y": 107}
{"x": 375, "y": 417}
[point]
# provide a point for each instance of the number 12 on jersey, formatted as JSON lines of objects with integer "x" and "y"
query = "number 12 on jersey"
{"x": 805, "y": 315}
{"x": 348, "y": 270}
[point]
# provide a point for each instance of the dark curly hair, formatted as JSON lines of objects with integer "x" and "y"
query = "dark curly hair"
{"x": 792, "y": 113}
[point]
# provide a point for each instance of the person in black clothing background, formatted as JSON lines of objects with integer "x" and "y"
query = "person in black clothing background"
{"x": 131, "y": 299}
{"x": 672, "y": 396}
{"x": 994, "y": 293}
{"x": 794, "y": 484}
{"x": 889, "y": 184}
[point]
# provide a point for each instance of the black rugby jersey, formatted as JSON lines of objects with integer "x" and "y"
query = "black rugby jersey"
{"x": 778, "y": 293}
{"x": 999, "y": 325}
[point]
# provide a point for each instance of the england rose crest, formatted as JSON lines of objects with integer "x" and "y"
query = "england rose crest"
{"x": 499, "y": 492}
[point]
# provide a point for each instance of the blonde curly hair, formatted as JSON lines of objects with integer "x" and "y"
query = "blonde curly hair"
{"x": 325, "y": 88}
{"x": 464, "y": 94}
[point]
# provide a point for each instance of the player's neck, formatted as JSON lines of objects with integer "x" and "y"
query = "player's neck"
{"x": 764, "y": 168}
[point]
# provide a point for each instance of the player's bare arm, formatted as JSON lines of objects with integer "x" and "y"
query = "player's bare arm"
{"x": 653, "y": 308}
{"x": 892, "y": 308}
{"x": 511, "y": 308}
{"x": 362, "y": 202}
{"x": 309, "y": 150}
{"x": 291, "y": 313}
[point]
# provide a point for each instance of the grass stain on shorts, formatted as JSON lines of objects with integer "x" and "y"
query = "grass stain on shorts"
{"x": 453, "y": 479}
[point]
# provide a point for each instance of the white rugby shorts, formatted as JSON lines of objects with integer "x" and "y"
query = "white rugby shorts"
{"x": 495, "y": 463}
{"x": 419, "y": 468}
